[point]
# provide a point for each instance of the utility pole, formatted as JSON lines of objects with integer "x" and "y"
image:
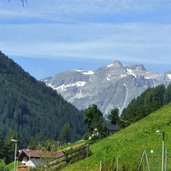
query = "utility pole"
{"x": 15, "y": 153}
{"x": 163, "y": 149}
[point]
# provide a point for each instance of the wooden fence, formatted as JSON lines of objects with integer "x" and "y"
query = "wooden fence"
{"x": 70, "y": 156}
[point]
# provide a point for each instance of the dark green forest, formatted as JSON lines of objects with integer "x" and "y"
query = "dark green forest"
{"x": 30, "y": 110}
{"x": 149, "y": 101}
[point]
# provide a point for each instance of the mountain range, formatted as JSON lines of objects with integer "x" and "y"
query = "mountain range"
{"x": 114, "y": 85}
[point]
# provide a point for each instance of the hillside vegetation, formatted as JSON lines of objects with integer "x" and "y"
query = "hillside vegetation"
{"x": 149, "y": 101}
{"x": 128, "y": 145}
{"x": 30, "y": 111}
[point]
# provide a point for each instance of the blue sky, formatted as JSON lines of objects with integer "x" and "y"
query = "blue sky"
{"x": 47, "y": 37}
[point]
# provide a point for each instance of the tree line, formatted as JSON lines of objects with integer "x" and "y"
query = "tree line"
{"x": 96, "y": 124}
{"x": 149, "y": 101}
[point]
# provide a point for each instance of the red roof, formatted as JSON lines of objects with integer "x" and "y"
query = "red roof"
{"x": 39, "y": 154}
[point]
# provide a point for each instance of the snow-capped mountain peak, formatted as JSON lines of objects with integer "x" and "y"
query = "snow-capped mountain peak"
{"x": 115, "y": 64}
{"x": 137, "y": 67}
{"x": 114, "y": 85}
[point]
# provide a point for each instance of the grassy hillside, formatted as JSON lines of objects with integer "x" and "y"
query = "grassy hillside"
{"x": 128, "y": 145}
{"x": 10, "y": 166}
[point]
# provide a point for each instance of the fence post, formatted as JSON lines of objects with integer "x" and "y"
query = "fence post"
{"x": 87, "y": 150}
{"x": 117, "y": 163}
{"x": 66, "y": 155}
{"x": 166, "y": 160}
{"x": 100, "y": 165}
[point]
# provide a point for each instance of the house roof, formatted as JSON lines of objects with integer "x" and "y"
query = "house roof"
{"x": 113, "y": 127}
{"x": 39, "y": 154}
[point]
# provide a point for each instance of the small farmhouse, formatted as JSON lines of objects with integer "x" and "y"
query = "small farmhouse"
{"x": 112, "y": 128}
{"x": 34, "y": 158}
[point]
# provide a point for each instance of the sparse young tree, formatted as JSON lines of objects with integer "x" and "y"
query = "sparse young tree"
{"x": 65, "y": 136}
{"x": 2, "y": 164}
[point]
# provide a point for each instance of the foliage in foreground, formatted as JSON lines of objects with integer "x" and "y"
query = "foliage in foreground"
{"x": 129, "y": 144}
{"x": 10, "y": 166}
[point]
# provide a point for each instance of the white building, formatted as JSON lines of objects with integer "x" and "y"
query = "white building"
{"x": 34, "y": 158}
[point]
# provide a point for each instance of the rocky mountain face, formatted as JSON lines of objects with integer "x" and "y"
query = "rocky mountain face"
{"x": 114, "y": 85}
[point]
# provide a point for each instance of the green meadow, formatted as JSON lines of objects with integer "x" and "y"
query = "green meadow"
{"x": 124, "y": 149}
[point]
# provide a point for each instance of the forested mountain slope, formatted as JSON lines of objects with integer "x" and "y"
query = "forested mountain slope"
{"x": 149, "y": 101}
{"x": 28, "y": 108}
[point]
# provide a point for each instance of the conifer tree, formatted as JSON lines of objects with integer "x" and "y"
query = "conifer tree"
{"x": 65, "y": 136}
{"x": 93, "y": 117}
{"x": 113, "y": 116}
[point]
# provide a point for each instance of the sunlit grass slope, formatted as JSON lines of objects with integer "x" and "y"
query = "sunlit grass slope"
{"x": 128, "y": 145}
{"x": 10, "y": 166}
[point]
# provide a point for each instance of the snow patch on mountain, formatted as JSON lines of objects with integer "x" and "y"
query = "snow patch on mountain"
{"x": 64, "y": 87}
{"x": 148, "y": 78}
{"x": 61, "y": 88}
{"x": 49, "y": 85}
{"x": 136, "y": 69}
{"x": 169, "y": 76}
{"x": 130, "y": 72}
{"x": 124, "y": 75}
{"x": 79, "y": 70}
{"x": 109, "y": 77}
{"x": 88, "y": 73}
{"x": 110, "y": 65}
{"x": 84, "y": 72}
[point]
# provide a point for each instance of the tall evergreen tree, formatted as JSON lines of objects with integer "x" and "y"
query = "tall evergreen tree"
{"x": 113, "y": 116}
{"x": 167, "y": 95}
{"x": 6, "y": 150}
{"x": 93, "y": 117}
